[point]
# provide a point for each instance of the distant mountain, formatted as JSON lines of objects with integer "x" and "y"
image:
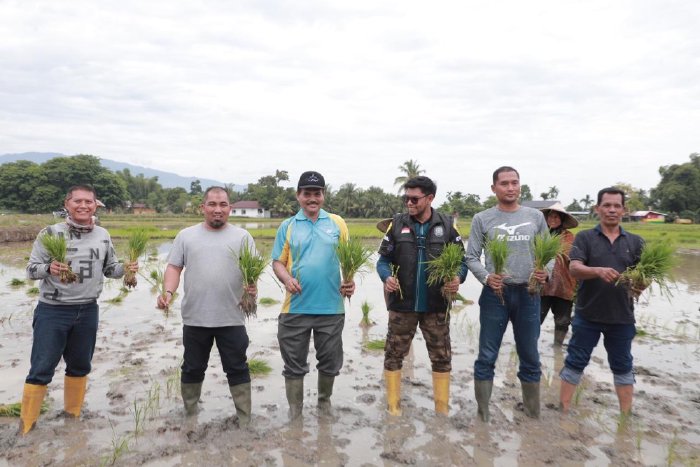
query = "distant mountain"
{"x": 166, "y": 179}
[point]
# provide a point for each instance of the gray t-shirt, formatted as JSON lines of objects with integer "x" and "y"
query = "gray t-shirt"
{"x": 519, "y": 228}
{"x": 213, "y": 283}
{"x": 90, "y": 255}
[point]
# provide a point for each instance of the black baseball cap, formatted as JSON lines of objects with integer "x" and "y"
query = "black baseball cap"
{"x": 311, "y": 179}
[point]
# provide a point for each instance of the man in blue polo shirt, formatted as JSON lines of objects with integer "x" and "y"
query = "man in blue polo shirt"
{"x": 305, "y": 261}
{"x": 598, "y": 256}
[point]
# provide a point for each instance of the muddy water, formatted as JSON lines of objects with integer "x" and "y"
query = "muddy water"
{"x": 133, "y": 411}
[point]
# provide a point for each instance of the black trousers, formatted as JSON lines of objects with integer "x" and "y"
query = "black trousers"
{"x": 561, "y": 309}
{"x": 232, "y": 342}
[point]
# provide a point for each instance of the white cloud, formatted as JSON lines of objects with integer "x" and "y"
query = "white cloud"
{"x": 574, "y": 94}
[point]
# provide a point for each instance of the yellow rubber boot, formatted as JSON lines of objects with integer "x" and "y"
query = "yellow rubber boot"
{"x": 393, "y": 391}
{"x": 74, "y": 394}
{"x": 441, "y": 392}
{"x": 32, "y": 398}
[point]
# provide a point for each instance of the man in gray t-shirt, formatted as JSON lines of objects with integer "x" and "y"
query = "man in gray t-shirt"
{"x": 211, "y": 306}
{"x": 505, "y": 297}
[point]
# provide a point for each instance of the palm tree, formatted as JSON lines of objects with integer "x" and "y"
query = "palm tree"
{"x": 586, "y": 202}
{"x": 411, "y": 169}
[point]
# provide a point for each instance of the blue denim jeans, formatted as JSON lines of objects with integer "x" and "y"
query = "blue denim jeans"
{"x": 617, "y": 339}
{"x": 232, "y": 342}
{"x": 523, "y": 311}
{"x": 67, "y": 331}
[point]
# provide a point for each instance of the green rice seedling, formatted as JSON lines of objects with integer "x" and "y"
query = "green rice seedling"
{"x": 672, "y": 450}
{"x": 546, "y": 247}
{"x": 375, "y": 344}
{"x": 14, "y": 410}
{"x": 352, "y": 256}
{"x": 17, "y": 282}
{"x": 252, "y": 264}
{"x": 444, "y": 268}
{"x": 172, "y": 383}
{"x": 57, "y": 247}
{"x": 366, "y": 308}
{"x": 654, "y": 266}
{"x": 267, "y": 301}
{"x": 136, "y": 246}
{"x": 33, "y": 291}
{"x": 258, "y": 367}
{"x": 497, "y": 249}
{"x": 395, "y": 275}
{"x": 120, "y": 445}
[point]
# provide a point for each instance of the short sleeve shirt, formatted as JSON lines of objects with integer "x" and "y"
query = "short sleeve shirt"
{"x": 597, "y": 300}
{"x": 308, "y": 250}
{"x": 213, "y": 281}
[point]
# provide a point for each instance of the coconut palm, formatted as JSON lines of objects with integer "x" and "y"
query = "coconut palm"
{"x": 586, "y": 202}
{"x": 411, "y": 169}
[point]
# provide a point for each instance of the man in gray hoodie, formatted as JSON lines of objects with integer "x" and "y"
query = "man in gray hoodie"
{"x": 505, "y": 296}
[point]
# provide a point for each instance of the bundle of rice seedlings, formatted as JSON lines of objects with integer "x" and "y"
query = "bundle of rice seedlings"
{"x": 252, "y": 264}
{"x": 374, "y": 344}
{"x": 352, "y": 256}
{"x": 444, "y": 268}
{"x": 654, "y": 266}
{"x": 136, "y": 246}
{"x": 546, "y": 247}
{"x": 14, "y": 410}
{"x": 366, "y": 308}
{"x": 497, "y": 249}
{"x": 57, "y": 246}
{"x": 258, "y": 366}
{"x": 395, "y": 275}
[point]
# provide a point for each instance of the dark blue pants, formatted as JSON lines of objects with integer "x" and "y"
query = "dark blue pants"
{"x": 232, "y": 342}
{"x": 521, "y": 309}
{"x": 67, "y": 331}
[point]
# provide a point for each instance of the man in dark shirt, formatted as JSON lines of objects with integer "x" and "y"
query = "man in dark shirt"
{"x": 411, "y": 240}
{"x": 598, "y": 256}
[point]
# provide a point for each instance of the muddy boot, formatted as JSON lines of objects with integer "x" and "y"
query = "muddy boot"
{"x": 295, "y": 396}
{"x": 441, "y": 392}
{"x": 531, "y": 399}
{"x": 74, "y": 394}
{"x": 559, "y": 335}
{"x": 325, "y": 390}
{"x": 32, "y": 399}
{"x": 241, "y": 399}
{"x": 190, "y": 396}
{"x": 482, "y": 391}
{"x": 392, "y": 379}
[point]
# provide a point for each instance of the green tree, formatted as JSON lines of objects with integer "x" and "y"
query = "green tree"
{"x": 489, "y": 202}
{"x": 574, "y": 206}
{"x": 19, "y": 182}
{"x": 196, "y": 188}
{"x": 525, "y": 193}
{"x": 466, "y": 205}
{"x": 410, "y": 169}
{"x": 552, "y": 193}
{"x": 586, "y": 202}
{"x": 677, "y": 192}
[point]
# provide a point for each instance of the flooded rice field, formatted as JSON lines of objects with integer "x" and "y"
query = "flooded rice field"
{"x": 133, "y": 412}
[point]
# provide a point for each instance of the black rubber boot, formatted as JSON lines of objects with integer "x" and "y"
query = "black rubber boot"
{"x": 190, "y": 396}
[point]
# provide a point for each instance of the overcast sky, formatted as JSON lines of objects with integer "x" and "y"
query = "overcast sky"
{"x": 577, "y": 94}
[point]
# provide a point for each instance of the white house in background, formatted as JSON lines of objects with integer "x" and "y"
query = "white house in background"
{"x": 249, "y": 209}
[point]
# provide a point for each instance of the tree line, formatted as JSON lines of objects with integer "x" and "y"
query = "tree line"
{"x": 39, "y": 188}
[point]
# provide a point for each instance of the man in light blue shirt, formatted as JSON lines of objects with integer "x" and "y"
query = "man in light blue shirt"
{"x": 305, "y": 261}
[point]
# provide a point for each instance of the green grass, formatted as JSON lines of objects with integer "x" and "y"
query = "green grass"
{"x": 14, "y": 410}
{"x": 375, "y": 344}
{"x": 17, "y": 282}
{"x": 267, "y": 301}
{"x": 258, "y": 367}
{"x": 33, "y": 291}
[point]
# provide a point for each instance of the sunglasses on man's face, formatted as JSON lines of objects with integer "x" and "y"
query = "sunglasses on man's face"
{"x": 412, "y": 199}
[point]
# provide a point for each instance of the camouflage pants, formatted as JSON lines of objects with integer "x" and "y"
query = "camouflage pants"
{"x": 436, "y": 332}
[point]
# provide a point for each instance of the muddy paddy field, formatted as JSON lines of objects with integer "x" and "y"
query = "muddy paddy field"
{"x": 133, "y": 412}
